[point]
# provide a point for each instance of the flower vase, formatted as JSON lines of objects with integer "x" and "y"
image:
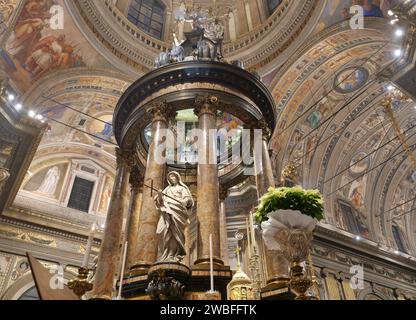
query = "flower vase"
{"x": 290, "y": 232}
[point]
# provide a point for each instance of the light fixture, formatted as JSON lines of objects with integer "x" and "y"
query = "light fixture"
{"x": 39, "y": 117}
{"x": 399, "y": 33}
{"x": 31, "y": 113}
{"x": 394, "y": 21}
{"x": 358, "y": 238}
{"x": 390, "y": 88}
{"x": 390, "y": 13}
{"x": 396, "y": 252}
{"x": 18, "y": 107}
{"x": 398, "y": 52}
{"x": 10, "y": 97}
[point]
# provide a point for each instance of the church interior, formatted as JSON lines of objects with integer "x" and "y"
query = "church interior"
{"x": 88, "y": 89}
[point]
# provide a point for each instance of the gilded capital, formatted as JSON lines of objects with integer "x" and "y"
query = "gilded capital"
{"x": 223, "y": 193}
{"x": 161, "y": 111}
{"x": 206, "y": 104}
{"x": 261, "y": 125}
{"x": 125, "y": 158}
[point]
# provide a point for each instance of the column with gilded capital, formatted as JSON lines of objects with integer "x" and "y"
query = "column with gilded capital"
{"x": 136, "y": 185}
{"x": 208, "y": 209}
{"x": 110, "y": 246}
{"x": 276, "y": 265}
{"x": 146, "y": 249}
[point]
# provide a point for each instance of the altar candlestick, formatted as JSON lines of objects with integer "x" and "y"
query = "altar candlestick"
{"x": 211, "y": 263}
{"x": 88, "y": 247}
{"x": 123, "y": 266}
{"x": 249, "y": 238}
{"x": 253, "y": 236}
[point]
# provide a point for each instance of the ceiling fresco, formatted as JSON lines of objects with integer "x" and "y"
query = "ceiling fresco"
{"x": 34, "y": 48}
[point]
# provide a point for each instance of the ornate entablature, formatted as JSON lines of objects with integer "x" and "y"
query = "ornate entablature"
{"x": 387, "y": 277}
{"x": 133, "y": 50}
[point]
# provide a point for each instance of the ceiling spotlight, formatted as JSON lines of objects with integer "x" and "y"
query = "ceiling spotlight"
{"x": 399, "y": 33}
{"x": 18, "y": 107}
{"x": 11, "y": 97}
{"x": 396, "y": 252}
{"x": 394, "y": 21}
{"x": 397, "y": 53}
{"x": 39, "y": 117}
{"x": 31, "y": 113}
{"x": 390, "y": 88}
{"x": 390, "y": 13}
{"x": 358, "y": 238}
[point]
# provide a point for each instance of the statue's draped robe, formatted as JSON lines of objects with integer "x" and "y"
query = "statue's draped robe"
{"x": 172, "y": 223}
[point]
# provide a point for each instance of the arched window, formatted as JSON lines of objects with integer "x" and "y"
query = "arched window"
{"x": 31, "y": 294}
{"x": 273, "y": 4}
{"x": 148, "y": 15}
{"x": 397, "y": 235}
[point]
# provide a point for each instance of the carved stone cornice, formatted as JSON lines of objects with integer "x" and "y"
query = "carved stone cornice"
{"x": 106, "y": 26}
{"x": 206, "y": 104}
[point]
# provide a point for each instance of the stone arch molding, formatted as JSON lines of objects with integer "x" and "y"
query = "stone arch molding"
{"x": 26, "y": 282}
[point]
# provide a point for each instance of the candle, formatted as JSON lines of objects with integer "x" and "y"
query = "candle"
{"x": 211, "y": 263}
{"x": 123, "y": 266}
{"x": 88, "y": 247}
{"x": 253, "y": 236}
{"x": 249, "y": 239}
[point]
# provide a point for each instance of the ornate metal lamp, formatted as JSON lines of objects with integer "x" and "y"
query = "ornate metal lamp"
{"x": 81, "y": 285}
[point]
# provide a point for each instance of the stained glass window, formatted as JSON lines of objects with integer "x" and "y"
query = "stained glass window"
{"x": 148, "y": 16}
{"x": 81, "y": 194}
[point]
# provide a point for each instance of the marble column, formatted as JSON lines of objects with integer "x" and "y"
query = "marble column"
{"x": 146, "y": 250}
{"x": 136, "y": 185}
{"x": 208, "y": 211}
{"x": 110, "y": 246}
{"x": 223, "y": 228}
{"x": 277, "y": 266}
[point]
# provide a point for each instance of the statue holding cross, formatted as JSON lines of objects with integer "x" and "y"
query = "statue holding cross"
{"x": 173, "y": 204}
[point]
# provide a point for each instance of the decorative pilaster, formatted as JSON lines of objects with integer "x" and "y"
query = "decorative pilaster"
{"x": 110, "y": 247}
{"x": 208, "y": 194}
{"x": 136, "y": 185}
{"x": 146, "y": 248}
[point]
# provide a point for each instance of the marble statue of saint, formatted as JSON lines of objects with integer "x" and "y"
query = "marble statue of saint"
{"x": 174, "y": 204}
{"x": 50, "y": 182}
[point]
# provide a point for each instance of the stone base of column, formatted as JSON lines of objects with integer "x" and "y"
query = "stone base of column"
{"x": 101, "y": 298}
{"x": 138, "y": 270}
{"x": 200, "y": 282}
{"x": 206, "y": 260}
{"x": 197, "y": 285}
{"x": 277, "y": 288}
